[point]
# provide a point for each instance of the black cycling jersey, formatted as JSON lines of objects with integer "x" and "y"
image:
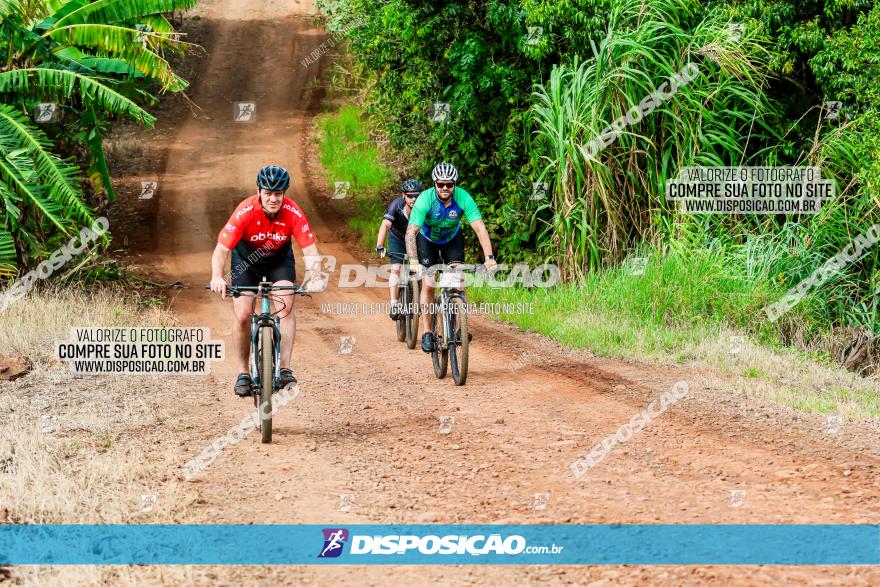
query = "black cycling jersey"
{"x": 398, "y": 216}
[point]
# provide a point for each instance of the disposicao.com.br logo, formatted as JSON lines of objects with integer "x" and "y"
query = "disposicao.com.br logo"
{"x": 334, "y": 541}
{"x": 393, "y": 544}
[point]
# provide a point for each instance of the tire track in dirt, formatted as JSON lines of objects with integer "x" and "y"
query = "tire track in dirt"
{"x": 366, "y": 423}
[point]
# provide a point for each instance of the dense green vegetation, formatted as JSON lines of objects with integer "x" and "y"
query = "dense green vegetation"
{"x": 92, "y": 61}
{"x": 529, "y": 82}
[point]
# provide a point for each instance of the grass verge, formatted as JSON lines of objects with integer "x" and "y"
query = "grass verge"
{"x": 687, "y": 308}
{"x": 80, "y": 448}
{"x": 349, "y": 155}
{"x": 90, "y": 449}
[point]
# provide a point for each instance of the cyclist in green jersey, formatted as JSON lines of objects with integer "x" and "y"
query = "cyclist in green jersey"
{"x": 435, "y": 230}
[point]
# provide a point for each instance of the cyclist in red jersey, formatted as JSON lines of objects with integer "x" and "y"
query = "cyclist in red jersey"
{"x": 259, "y": 235}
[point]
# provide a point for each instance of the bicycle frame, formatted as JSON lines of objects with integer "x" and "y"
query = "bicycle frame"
{"x": 403, "y": 277}
{"x": 407, "y": 323}
{"x": 265, "y": 319}
{"x": 446, "y": 294}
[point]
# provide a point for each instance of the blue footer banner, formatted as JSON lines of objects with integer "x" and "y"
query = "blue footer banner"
{"x": 648, "y": 544}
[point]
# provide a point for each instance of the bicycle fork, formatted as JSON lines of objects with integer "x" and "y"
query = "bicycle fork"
{"x": 450, "y": 334}
{"x": 265, "y": 320}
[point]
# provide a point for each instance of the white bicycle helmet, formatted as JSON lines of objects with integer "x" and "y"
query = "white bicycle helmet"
{"x": 445, "y": 172}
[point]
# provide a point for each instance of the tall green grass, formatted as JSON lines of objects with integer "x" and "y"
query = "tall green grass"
{"x": 348, "y": 154}
{"x": 681, "y": 297}
{"x": 604, "y": 203}
{"x": 688, "y": 291}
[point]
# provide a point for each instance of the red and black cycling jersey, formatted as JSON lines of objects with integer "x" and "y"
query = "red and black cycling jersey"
{"x": 250, "y": 226}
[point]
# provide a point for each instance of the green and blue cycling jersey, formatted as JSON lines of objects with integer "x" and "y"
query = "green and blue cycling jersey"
{"x": 438, "y": 223}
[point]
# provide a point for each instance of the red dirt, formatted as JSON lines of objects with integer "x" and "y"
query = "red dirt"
{"x": 366, "y": 423}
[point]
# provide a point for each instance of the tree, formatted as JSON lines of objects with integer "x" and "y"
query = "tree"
{"x": 84, "y": 61}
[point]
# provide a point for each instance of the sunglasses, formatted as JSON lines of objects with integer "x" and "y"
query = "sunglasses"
{"x": 415, "y": 195}
{"x": 445, "y": 185}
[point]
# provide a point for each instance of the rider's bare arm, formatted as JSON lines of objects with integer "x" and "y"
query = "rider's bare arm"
{"x": 411, "y": 250}
{"x": 218, "y": 262}
{"x": 312, "y": 262}
{"x": 383, "y": 232}
{"x": 483, "y": 236}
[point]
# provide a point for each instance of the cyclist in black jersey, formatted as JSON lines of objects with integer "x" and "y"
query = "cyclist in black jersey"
{"x": 394, "y": 223}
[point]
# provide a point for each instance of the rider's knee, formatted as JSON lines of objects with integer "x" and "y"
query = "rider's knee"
{"x": 288, "y": 306}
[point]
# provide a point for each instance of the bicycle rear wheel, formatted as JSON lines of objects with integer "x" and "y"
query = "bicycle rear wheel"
{"x": 440, "y": 358}
{"x": 458, "y": 340}
{"x": 400, "y": 322}
{"x": 267, "y": 381}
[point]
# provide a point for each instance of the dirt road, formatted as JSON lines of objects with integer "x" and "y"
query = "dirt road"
{"x": 366, "y": 423}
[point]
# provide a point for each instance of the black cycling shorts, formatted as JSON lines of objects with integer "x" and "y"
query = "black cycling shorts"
{"x": 395, "y": 245}
{"x": 430, "y": 253}
{"x": 249, "y": 269}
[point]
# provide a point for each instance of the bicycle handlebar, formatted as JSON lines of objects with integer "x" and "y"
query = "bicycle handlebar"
{"x": 459, "y": 267}
{"x": 236, "y": 290}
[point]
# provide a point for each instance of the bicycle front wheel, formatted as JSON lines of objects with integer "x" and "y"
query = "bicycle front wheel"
{"x": 412, "y": 313}
{"x": 439, "y": 357}
{"x": 267, "y": 381}
{"x": 458, "y": 340}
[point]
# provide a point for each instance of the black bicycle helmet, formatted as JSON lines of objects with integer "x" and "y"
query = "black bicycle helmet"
{"x": 410, "y": 186}
{"x": 274, "y": 178}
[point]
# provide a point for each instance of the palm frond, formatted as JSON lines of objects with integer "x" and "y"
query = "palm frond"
{"x": 124, "y": 43}
{"x": 59, "y": 176}
{"x": 7, "y": 253}
{"x": 115, "y": 11}
{"x": 9, "y": 7}
{"x": 60, "y": 83}
{"x": 17, "y": 172}
{"x": 111, "y": 65}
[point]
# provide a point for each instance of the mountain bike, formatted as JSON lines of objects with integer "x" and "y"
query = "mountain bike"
{"x": 451, "y": 344}
{"x": 265, "y": 366}
{"x": 407, "y": 323}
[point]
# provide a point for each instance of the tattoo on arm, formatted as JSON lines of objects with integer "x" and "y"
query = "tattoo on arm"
{"x": 411, "y": 249}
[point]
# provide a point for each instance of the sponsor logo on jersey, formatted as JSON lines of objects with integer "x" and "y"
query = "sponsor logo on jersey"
{"x": 453, "y": 214}
{"x": 244, "y": 211}
{"x": 292, "y": 208}
{"x": 230, "y": 228}
{"x": 305, "y": 228}
{"x": 261, "y": 236}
